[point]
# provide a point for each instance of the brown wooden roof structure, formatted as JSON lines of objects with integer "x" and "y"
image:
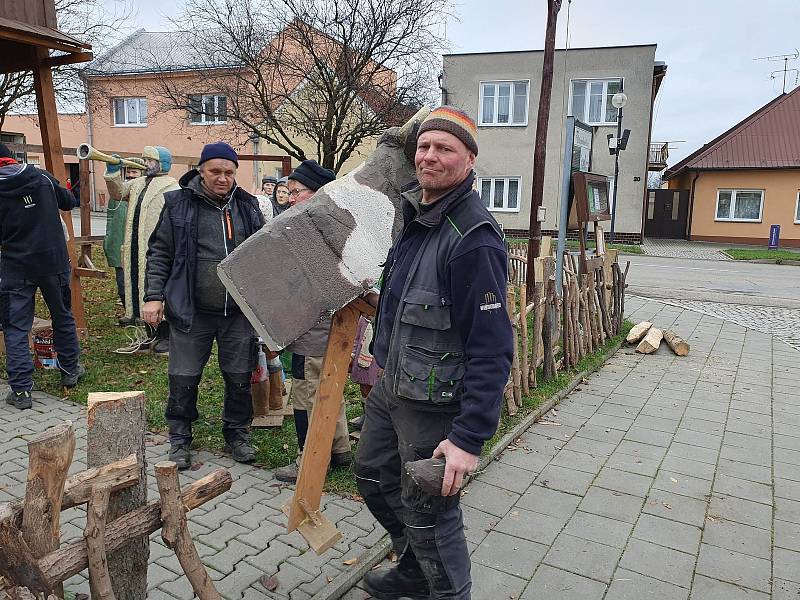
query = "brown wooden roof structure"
{"x": 767, "y": 139}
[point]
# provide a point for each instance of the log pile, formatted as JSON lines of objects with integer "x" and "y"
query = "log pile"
{"x": 562, "y": 329}
{"x": 32, "y": 565}
{"x": 648, "y": 339}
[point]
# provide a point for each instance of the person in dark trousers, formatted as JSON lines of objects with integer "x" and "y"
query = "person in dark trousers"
{"x": 444, "y": 339}
{"x": 199, "y": 226}
{"x": 34, "y": 256}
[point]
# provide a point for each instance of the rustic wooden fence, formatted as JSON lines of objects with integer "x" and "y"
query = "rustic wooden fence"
{"x": 556, "y": 332}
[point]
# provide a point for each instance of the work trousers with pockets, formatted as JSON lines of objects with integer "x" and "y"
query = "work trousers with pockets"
{"x": 394, "y": 432}
{"x": 17, "y": 302}
{"x": 188, "y": 355}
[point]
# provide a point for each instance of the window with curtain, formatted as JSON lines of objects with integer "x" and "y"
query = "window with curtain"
{"x": 130, "y": 112}
{"x": 739, "y": 205}
{"x": 590, "y": 100}
{"x": 797, "y": 209}
{"x": 208, "y": 108}
{"x": 500, "y": 194}
{"x": 503, "y": 103}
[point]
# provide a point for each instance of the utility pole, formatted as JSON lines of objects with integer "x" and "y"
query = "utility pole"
{"x": 540, "y": 151}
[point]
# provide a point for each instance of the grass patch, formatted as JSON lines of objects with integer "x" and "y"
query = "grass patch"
{"x": 275, "y": 447}
{"x": 778, "y": 256}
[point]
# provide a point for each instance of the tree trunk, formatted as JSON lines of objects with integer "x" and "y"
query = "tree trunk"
{"x": 116, "y": 423}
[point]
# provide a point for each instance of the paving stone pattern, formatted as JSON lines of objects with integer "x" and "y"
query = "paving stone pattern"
{"x": 240, "y": 535}
{"x": 682, "y": 249}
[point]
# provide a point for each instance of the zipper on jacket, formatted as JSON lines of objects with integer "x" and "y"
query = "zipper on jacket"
{"x": 225, "y": 245}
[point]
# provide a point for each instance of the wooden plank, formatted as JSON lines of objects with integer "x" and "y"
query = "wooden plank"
{"x": 327, "y": 405}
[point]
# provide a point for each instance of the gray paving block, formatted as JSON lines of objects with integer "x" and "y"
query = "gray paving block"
{"x": 234, "y": 553}
{"x": 507, "y": 477}
{"x": 179, "y": 588}
{"x": 738, "y": 537}
{"x": 156, "y": 575}
{"x": 489, "y": 583}
{"x": 740, "y": 569}
{"x": 628, "y": 585}
{"x": 274, "y": 554}
{"x": 704, "y": 588}
{"x": 623, "y": 481}
{"x": 580, "y": 461}
{"x": 532, "y": 460}
{"x": 786, "y": 471}
{"x": 477, "y": 523}
{"x": 741, "y": 488}
{"x": 509, "y": 554}
{"x": 641, "y": 450}
{"x": 601, "y": 434}
{"x": 488, "y": 498}
{"x": 532, "y": 526}
{"x": 685, "y": 485}
{"x": 785, "y": 590}
{"x": 555, "y": 584}
{"x": 675, "y": 507}
{"x": 614, "y": 505}
{"x": 659, "y": 562}
{"x": 706, "y": 455}
{"x": 656, "y": 423}
{"x": 698, "y": 438}
{"x": 220, "y": 537}
{"x": 549, "y": 502}
{"x": 784, "y": 564}
{"x": 588, "y": 446}
{"x": 598, "y": 529}
{"x": 649, "y": 436}
{"x": 633, "y": 464}
{"x": 746, "y": 455}
{"x": 686, "y": 466}
{"x": 234, "y": 584}
{"x": 749, "y": 442}
{"x": 787, "y": 535}
{"x": 564, "y": 479}
{"x": 743, "y": 511}
{"x": 611, "y": 421}
{"x": 733, "y": 468}
{"x": 668, "y": 533}
{"x": 583, "y": 557}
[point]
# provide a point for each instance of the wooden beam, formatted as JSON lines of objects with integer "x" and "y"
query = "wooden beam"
{"x": 69, "y": 59}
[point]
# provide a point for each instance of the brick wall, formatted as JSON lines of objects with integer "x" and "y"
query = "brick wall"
{"x": 619, "y": 237}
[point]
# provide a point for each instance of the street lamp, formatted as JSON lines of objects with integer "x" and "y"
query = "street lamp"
{"x": 615, "y": 145}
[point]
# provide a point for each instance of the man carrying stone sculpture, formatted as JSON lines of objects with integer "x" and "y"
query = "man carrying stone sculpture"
{"x": 308, "y": 351}
{"x": 145, "y": 198}
{"x": 444, "y": 340}
{"x": 201, "y": 224}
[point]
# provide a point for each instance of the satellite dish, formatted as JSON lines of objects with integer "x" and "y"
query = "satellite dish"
{"x": 619, "y": 100}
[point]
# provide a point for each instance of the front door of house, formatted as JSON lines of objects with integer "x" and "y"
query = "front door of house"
{"x": 667, "y": 214}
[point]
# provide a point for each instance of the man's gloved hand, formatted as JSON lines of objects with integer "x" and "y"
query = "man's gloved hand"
{"x": 114, "y": 169}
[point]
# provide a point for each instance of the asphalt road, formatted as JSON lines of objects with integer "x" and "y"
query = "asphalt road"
{"x": 729, "y": 282}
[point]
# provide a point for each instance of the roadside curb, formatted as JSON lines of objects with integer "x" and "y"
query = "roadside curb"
{"x": 773, "y": 261}
{"x": 342, "y": 583}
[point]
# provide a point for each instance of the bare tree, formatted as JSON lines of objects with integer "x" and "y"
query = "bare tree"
{"x": 89, "y": 21}
{"x": 655, "y": 180}
{"x": 332, "y": 72}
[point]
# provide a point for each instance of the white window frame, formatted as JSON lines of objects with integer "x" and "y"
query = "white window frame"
{"x": 732, "y": 211}
{"x": 506, "y": 179}
{"x": 496, "y": 83}
{"x": 797, "y": 209}
{"x": 206, "y": 119}
{"x": 125, "y": 112}
{"x": 587, "y": 99}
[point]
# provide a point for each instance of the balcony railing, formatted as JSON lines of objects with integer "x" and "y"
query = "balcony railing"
{"x": 657, "y": 157}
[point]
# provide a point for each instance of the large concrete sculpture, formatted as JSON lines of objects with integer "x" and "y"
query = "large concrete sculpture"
{"x": 315, "y": 258}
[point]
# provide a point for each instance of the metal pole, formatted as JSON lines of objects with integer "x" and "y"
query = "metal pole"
{"x": 566, "y": 175}
{"x": 540, "y": 143}
{"x": 616, "y": 176}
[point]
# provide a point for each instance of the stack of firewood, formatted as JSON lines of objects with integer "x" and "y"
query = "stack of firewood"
{"x": 649, "y": 339}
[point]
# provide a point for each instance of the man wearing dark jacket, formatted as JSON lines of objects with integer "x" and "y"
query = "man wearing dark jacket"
{"x": 444, "y": 340}
{"x": 34, "y": 256}
{"x": 200, "y": 225}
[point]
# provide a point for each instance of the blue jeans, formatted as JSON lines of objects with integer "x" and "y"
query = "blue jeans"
{"x": 17, "y": 298}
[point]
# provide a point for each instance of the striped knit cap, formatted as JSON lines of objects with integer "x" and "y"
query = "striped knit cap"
{"x": 455, "y": 121}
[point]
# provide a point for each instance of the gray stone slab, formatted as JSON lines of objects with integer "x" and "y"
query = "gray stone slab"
{"x": 668, "y": 533}
{"x": 588, "y": 463}
{"x": 649, "y": 436}
{"x": 657, "y": 423}
{"x": 555, "y": 584}
{"x": 623, "y": 481}
{"x": 583, "y": 557}
{"x": 733, "y": 567}
{"x": 786, "y": 471}
{"x": 633, "y": 464}
{"x": 549, "y": 502}
{"x": 739, "y": 537}
{"x": 731, "y": 508}
{"x": 704, "y": 588}
{"x": 598, "y": 529}
{"x": 601, "y": 434}
{"x": 788, "y": 456}
{"x": 746, "y": 455}
{"x": 488, "y": 498}
{"x": 532, "y": 460}
{"x": 532, "y": 526}
{"x": 614, "y": 505}
{"x": 787, "y": 535}
{"x": 787, "y": 510}
{"x": 785, "y": 590}
{"x": 628, "y": 585}
{"x": 611, "y": 421}
{"x": 706, "y": 455}
{"x": 741, "y": 488}
{"x": 477, "y": 523}
{"x": 509, "y": 554}
{"x": 675, "y": 507}
{"x": 490, "y": 583}
{"x": 733, "y": 468}
{"x": 507, "y": 477}
{"x": 565, "y": 479}
{"x": 617, "y": 410}
{"x": 658, "y": 562}
{"x": 641, "y": 450}
{"x": 698, "y": 438}
{"x": 684, "y": 485}
{"x": 591, "y": 447}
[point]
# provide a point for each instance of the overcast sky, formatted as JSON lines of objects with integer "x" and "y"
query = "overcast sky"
{"x": 709, "y": 45}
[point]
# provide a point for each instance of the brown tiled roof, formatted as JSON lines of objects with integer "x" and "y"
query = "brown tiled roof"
{"x": 767, "y": 139}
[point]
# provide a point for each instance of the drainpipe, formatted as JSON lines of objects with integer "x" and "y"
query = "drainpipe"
{"x": 691, "y": 206}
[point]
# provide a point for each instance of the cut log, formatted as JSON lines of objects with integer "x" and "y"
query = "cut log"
{"x": 651, "y": 341}
{"x": 523, "y": 323}
{"x": 49, "y": 458}
{"x": 17, "y": 562}
{"x": 116, "y": 423}
{"x": 175, "y": 532}
{"x": 637, "y": 332}
{"x": 676, "y": 343}
{"x": 72, "y": 558}
{"x": 511, "y": 298}
{"x": 95, "y": 536}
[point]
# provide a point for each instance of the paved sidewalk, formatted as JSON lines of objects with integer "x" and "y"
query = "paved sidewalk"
{"x": 683, "y": 249}
{"x": 240, "y": 535}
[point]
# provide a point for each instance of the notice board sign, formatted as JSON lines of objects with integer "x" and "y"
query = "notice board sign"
{"x": 590, "y": 201}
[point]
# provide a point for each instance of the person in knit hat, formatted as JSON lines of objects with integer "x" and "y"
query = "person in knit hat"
{"x": 281, "y": 200}
{"x": 443, "y": 337}
{"x": 306, "y": 179}
{"x": 201, "y": 223}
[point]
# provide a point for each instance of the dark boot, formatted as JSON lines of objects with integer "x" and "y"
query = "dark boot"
{"x": 180, "y": 455}
{"x": 20, "y": 400}
{"x": 343, "y": 459}
{"x": 70, "y": 380}
{"x": 287, "y": 474}
{"x": 241, "y": 451}
{"x": 403, "y": 580}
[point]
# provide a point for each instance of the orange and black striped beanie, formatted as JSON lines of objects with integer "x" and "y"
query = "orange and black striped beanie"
{"x": 455, "y": 121}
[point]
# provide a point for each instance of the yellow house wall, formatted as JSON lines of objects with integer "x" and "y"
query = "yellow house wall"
{"x": 780, "y": 187}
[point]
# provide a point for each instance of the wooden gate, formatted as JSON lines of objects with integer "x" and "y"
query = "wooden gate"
{"x": 667, "y": 214}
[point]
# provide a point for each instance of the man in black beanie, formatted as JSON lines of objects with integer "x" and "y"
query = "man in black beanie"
{"x": 308, "y": 351}
{"x": 200, "y": 225}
